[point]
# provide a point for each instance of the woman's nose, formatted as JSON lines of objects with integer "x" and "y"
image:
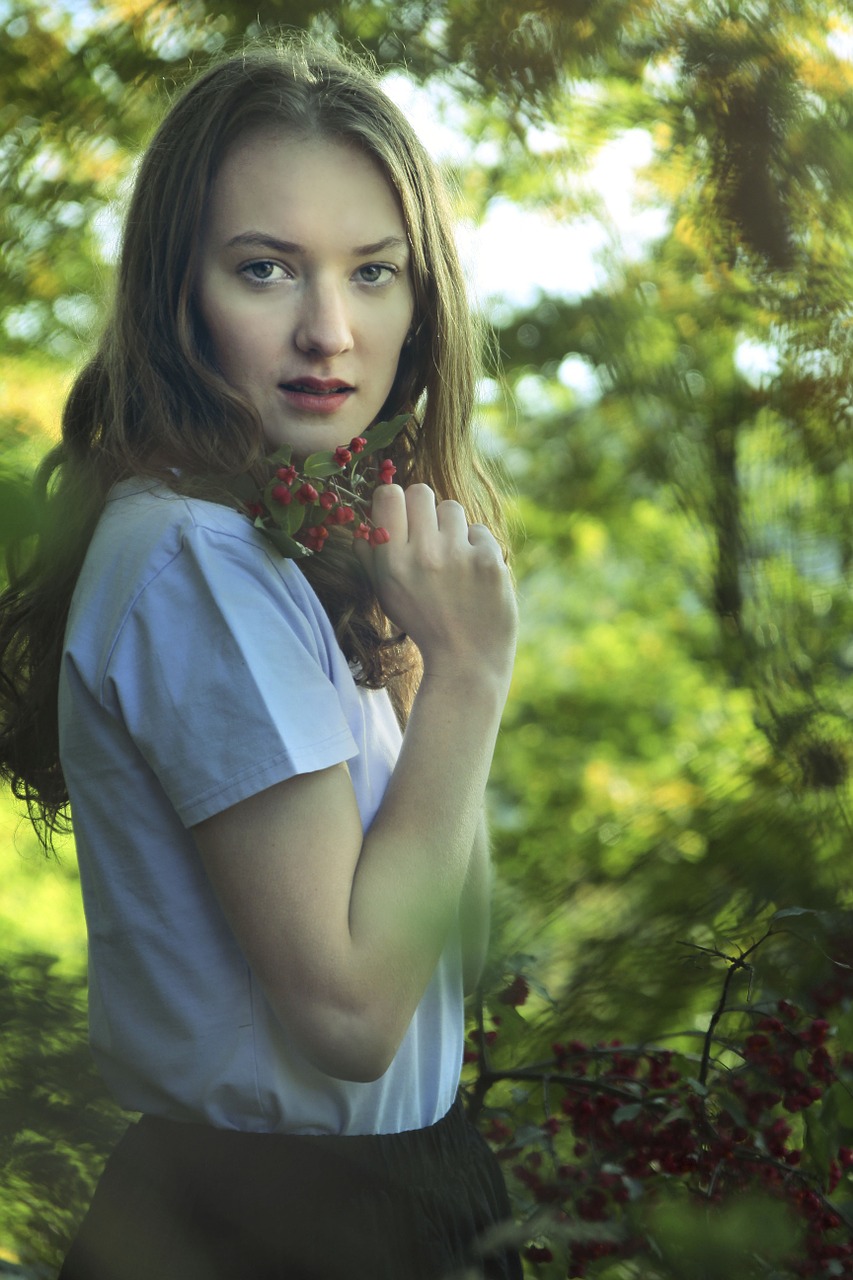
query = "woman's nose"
{"x": 323, "y": 326}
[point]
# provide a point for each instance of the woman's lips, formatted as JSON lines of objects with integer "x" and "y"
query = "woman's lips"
{"x": 313, "y": 395}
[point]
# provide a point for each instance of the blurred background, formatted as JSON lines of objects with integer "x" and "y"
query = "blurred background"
{"x": 655, "y": 208}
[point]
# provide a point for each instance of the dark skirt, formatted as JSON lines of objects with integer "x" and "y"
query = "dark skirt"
{"x": 189, "y": 1202}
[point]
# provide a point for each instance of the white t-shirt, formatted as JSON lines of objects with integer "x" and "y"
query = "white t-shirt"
{"x": 199, "y": 669}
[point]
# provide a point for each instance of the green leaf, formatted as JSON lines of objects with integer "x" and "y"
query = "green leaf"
{"x": 296, "y": 517}
{"x": 844, "y": 1029}
{"x": 281, "y": 457}
{"x": 628, "y": 1112}
{"x": 289, "y": 518}
{"x": 837, "y": 1109}
{"x": 818, "y": 1143}
{"x": 321, "y": 464}
{"x": 840, "y": 922}
{"x": 288, "y": 546}
{"x": 276, "y": 510}
{"x": 732, "y": 1104}
{"x": 681, "y": 1113}
{"x": 381, "y": 435}
{"x": 513, "y": 1022}
{"x": 529, "y": 1134}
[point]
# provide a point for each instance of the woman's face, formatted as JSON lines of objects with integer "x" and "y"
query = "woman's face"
{"x": 305, "y": 286}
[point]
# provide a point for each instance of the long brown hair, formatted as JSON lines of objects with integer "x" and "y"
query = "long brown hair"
{"x": 151, "y": 401}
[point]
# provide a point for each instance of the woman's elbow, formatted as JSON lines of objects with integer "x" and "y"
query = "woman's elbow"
{"x": 347, "y": 1045}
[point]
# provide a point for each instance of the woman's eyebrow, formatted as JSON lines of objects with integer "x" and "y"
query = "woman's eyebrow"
{"x": 261, "y": 240}
{"x": 390, "y": 242}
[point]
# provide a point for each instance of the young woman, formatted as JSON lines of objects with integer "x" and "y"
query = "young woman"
{"x": 285, "y": 893}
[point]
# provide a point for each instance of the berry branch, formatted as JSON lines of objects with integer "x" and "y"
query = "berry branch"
{"x": 629, "y": 1134}
{"x": 296, "y": 509}
{"x": 736, "y": 964}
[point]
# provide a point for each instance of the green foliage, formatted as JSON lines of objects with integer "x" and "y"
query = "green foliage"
{"x": 745, "y": 1239}
{"x": 55, "y": 1121}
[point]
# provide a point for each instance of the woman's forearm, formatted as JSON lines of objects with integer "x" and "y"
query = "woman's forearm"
{"x": 416, "y": 857}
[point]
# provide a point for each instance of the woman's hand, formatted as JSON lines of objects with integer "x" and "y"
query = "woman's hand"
{"x": 444, "y": 582}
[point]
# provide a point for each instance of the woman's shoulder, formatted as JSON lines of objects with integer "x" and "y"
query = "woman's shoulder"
{"x": 142, "y": 507}
{"x": 153, "y": 546}
{"x": 145, "y": 526}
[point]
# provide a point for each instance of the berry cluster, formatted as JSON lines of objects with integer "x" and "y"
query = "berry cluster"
{"x": 625, "y": 1125}
{"x": 296, "y": 509}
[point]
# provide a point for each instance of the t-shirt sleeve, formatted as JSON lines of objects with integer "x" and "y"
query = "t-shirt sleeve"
{"x": 222, "y": 672}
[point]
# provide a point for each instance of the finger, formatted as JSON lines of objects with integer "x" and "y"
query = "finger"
{"x": 390, "y": 512}
{"x": 452, "y": 519}
{"x": 420, "y": 505}
{"x": 480, "y": 536}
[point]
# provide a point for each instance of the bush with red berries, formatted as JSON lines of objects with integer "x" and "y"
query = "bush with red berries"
{"x": 730, "y": 1155}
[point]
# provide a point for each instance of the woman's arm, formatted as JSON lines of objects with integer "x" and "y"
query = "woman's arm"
{"x": 475, "y": 909}
{"x": 345, "y": 931}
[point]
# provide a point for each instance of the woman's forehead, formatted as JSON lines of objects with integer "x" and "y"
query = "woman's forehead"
{"x": 282, "y": 177}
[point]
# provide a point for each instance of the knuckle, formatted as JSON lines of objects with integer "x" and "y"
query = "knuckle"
{"x": 490, "y": 565}
{"x": 485, "y": 544}
{"x": 428, "y": 561}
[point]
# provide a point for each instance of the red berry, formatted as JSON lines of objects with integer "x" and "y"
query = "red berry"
{"x": 342, "y": 455}
{"x": 362, "y": 531}
{"x": 538, "y": 1253}
{"x": 357, "y": 444}
{"x": 281, "y": 494}
{"x": 755, "y": 1046}
{"x": 817, "y": 1033}
{"x": 379, "y": 536}
{"x": 516, "y": 993}
{"x": 315, "y": 537}
{"x": 306, "y": 494}
{"x": 328, "y": 500}
{"x": 255, "y": 509}
{"x": 287, "y": 474}
{"x": 387, "y": 471}
{"x": 344, "y": 515}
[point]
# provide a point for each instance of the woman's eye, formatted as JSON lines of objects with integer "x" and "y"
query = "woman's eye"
{"x": 261, "y": 272}
{"x": 376, "y": 273}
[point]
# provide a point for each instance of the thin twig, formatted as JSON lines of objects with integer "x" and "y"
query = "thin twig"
{"x": 736, "y": 963}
